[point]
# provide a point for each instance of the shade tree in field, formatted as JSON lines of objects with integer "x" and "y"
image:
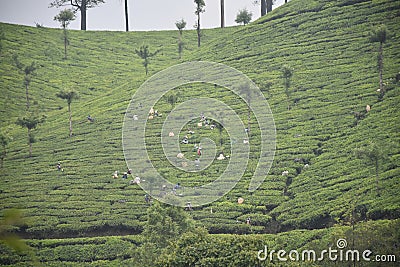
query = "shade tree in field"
{"x": 172, "y": 98}
{"x": 145, "y": 54}
{"x": 30, "y": 121}
{"x": 29, "y": 71}
{"x": 379, "y": 35}
{"x": 69, "y": 96}
{"x": 4, "y": 140}
{"x": 243, "y": 16}
{"x": 200, "y": 4}
{"x": 244, "y": 90}
{"x": 79, "y": 5}
{"x": 65, "y": 17}
{"x": 287, "y": 73}
{"x": 373, "y": 154}
{"x": 180, "y": 25}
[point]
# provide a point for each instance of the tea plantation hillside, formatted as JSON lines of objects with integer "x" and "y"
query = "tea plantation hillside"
{"x": 335, "y": 164}
{"x": 83, "y": 198}
{"x": 335, "y": 77}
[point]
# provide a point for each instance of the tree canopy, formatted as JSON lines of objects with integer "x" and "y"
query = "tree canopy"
{"x": 68, "y": 95}
{"x": 81, "y": 5}
{"x": 200, "y": 4}
{"x": 145, "y": 54}
{"x": 76, "y": 3}
{"x": 30, "y": 122}
{"x": 379, "y": 34}
{"x": 180, "y": 25}
{"x": 65, "y": 17}
{"x": 244, "y": 16}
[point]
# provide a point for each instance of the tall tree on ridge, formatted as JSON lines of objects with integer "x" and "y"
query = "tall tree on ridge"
{"x": 200, "y": 4}
{"x": 126, "y": 16}
{"x": 222, "y": 13}
{"x": 266, "y": 6}
{"x": 269, "y": 4}
{"x": 65, "y": 17}
{"x": 81, "y": 5}
{"x": 180, "y": 24}
{"x": 263, "y": 7}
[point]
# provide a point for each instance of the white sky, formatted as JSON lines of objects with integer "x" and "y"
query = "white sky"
{"x": 143, "y": 14}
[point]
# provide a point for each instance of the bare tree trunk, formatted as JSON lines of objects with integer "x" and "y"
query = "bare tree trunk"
{"x": 65, "y": 43}
{"x": 29, "y": 142}
{"x": 27, "y": 94}
{"x": 248, "y": 119}
{"x": 198, "y": 30}
{"x": 287, "y": 92}
{"x": 380, "y": 65}
{"x": 222, "y": 13}
{"x": 126, "y": 16}
{"x": 377, "y": 175}
{"x": 83, "y": 15}
{"x": 70, "y": 120}
{"x": 180, "y": 44}
{"x": 263, "y": 7}
{"x": 269, "y": 5}
{"x": 3, "y": 156}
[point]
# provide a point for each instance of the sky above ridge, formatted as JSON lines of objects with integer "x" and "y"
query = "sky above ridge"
{"x": 144, "y": 15}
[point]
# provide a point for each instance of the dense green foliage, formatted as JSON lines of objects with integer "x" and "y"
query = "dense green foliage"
{"x": 243, "y": 16}
{"x": 198, "y": 248}
{"x": 144, "y": 53}
{"x": 328, "y": 45}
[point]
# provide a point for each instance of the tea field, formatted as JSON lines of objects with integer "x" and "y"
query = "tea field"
{"x": 337, "y": 158}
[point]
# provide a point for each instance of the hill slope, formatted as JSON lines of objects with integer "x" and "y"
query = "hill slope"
{"x": 335, "y": 75}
